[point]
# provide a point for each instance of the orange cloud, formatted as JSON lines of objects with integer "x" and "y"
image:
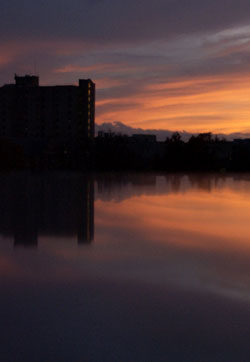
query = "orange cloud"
{"x": 70, "y": 68}
{"x": 217, "y": 104}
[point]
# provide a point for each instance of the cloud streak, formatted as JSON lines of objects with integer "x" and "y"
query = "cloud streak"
{"x": 163, "y": 64}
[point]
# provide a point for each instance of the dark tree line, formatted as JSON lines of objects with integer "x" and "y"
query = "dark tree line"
{"x": 203, "y": 152}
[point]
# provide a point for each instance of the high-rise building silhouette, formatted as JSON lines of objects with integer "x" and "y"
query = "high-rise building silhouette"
{"x": 29, "y": 111}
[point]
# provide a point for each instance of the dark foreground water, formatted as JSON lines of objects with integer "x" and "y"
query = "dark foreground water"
{"x": 124, "y": 268}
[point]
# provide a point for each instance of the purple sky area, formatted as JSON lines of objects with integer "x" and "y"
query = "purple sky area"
{"x": 162, "y": 64}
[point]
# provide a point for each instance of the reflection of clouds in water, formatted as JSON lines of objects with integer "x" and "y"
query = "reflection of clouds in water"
{"x": 129, "y": 256}
{"x": 195, "y": 238}
{"x": 169, "y": 271}
{"x": 188, "y": 231}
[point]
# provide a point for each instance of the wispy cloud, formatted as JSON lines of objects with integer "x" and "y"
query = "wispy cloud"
{"x": 163, "y": 63}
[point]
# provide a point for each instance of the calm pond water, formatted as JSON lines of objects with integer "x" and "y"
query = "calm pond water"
{"x": 125, "y": 267}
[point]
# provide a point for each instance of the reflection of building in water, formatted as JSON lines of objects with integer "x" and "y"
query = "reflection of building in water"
{"x": 25, "y": 218}
{"x": 57, "y": 205}
{"x": 85, "y": 232}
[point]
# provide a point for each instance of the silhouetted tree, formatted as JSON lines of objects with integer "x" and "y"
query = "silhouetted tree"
{"x": 175, "y": 152}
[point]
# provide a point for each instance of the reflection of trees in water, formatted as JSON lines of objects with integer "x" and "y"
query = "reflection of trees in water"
{"x": 175, "y": 181}
{"x": 206, "y": 182}
{"x": 60, "y": 204}
{"x": 121, "y": 186}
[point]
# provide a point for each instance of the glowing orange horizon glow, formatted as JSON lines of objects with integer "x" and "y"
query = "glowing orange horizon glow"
{"x": 216, "y": 104}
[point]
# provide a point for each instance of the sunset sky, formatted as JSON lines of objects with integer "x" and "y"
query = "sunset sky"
{"x": 162, "y": 64}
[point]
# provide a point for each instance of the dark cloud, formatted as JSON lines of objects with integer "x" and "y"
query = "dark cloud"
{"x": 117, "y": 21}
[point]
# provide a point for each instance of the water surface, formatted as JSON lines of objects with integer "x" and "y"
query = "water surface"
{"x": 124, "y": 267}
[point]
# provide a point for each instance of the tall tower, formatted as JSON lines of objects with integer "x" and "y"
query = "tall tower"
{"x": 87, "y": 108}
